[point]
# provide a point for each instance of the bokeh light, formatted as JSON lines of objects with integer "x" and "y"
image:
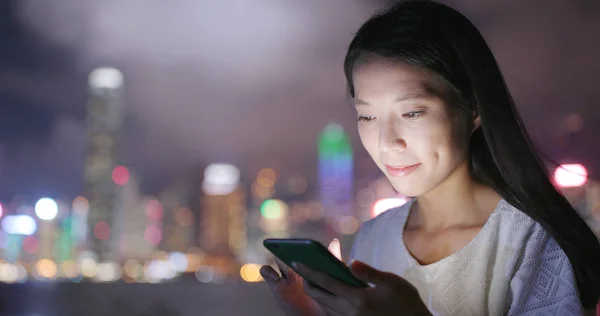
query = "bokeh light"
{"x": 46, "y": 268}
{"x": 157, "y": 270}
{"x": 570, "y": 175}
{"x": 273, "y": 209}
{"x": 22, "y": 274}
{"x": 179, "y": 261}
{"x": 69, "y": 269}
{"x": 108, "y": 271}
{"x": 220, "y": 179}
{"x": 30, "y": 244}
{"x": 102, "y": 231}
{"x": 154, "y": 210}
{"x": 262, "y": 191}
{"x": 153, "y": 235}
{"x": 9, "y": 273}
{"x": 250, "y": 272}
{"x": 266, "y": 177}
{"x": 333, "y": 132}
{"x": 81, "y": 205}
{"x": 88, "y": 267}
{"x": 120, "y": 175}
{"x": 105, "y": 78}
{"x": 19, "y": 225}
{"x": 46, "y": 209}
{"x": 386, "y": 204}
{"x": 133, "y": 268}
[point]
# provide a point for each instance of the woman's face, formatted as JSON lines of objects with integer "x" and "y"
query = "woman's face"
{"x": 405, "y": 124}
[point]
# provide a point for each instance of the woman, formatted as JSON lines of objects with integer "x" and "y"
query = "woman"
{"x": 486, "y": 232}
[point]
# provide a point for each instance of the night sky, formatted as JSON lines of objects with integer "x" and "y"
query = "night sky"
{"x": 224, "y": 81}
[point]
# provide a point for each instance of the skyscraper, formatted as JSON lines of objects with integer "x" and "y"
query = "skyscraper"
{"x": 104, "y": 116}
{"x": 129, "y": 224}
{"x": 222, "y": 233}
{"x": 335, "y": 171}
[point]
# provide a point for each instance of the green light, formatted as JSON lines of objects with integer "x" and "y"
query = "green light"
{"x": 333, "y": 133}
{"x": 271, "y": 209}
{"x": 333, "y": 141}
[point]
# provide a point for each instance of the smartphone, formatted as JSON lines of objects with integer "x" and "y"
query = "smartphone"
{"x": 313, "y": 255}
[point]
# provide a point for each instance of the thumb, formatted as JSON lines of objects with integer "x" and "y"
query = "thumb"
{"x": 335, "y": 248}
{"x": 598, "y": 308}
{"x": 369, "y": 274}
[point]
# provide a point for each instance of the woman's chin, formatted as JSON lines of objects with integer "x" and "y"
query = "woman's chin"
{"x": 408, "y": 190}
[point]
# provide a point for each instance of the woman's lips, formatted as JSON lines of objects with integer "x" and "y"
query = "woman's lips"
{"x": 401, "y": 170}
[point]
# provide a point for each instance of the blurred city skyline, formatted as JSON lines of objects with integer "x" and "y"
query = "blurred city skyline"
{"x": 226, "y": 82}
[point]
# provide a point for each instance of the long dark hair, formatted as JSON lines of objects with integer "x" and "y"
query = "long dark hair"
{"x": 436, "y": 37}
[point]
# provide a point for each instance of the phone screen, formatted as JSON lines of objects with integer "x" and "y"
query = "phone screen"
{"x": 313, "y": 255}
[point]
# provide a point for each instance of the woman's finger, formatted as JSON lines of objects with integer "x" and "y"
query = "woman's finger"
{"x": 326, "y": 282}
{"x": 335, "y": 248}
{"x": 283, "y": 268}
{"x": 287, "y": 274}
{"x": 270, "y": 275}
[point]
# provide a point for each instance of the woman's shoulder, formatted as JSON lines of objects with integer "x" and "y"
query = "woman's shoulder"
{"x": 517, "y": 227}
{"x": 542, "y": 277}
{"x": 535, "y": 247}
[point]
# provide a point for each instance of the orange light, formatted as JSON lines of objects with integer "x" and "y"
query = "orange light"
{"x": 266, "y": 177}
{"x": 46, "y": 268}
{"x": 250, "y": 272}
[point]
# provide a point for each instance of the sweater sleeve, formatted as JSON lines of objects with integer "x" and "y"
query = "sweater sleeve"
{"x": 543, "y": 282}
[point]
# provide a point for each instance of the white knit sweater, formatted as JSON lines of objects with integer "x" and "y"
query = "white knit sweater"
{"x": 512, "y": 267}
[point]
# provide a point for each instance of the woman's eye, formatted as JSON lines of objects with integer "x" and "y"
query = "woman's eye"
{"x": 365, "y": 118}
{"x": 413, "y": 115}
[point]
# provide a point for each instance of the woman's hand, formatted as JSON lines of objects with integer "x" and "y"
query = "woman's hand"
{"x": 288, "y": 288}
{"x": 289, "y": 291}
{"x": 389, "y": 295}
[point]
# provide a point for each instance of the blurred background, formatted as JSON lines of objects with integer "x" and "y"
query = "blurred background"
{"x": 148, "y": 147}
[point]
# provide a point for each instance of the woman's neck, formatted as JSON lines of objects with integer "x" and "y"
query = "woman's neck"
{"x": 459, "y": 201}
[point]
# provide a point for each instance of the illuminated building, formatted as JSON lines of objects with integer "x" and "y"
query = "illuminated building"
{"x": 104, "y": 116}
{"x": 46, "y": 210}
{"x": 335, "y": 171}
{"x": 222, "y": 233}
{"x": 129, "y": 222}
{"x": 79, "y": 215}
{"x": 153, "y": 233}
